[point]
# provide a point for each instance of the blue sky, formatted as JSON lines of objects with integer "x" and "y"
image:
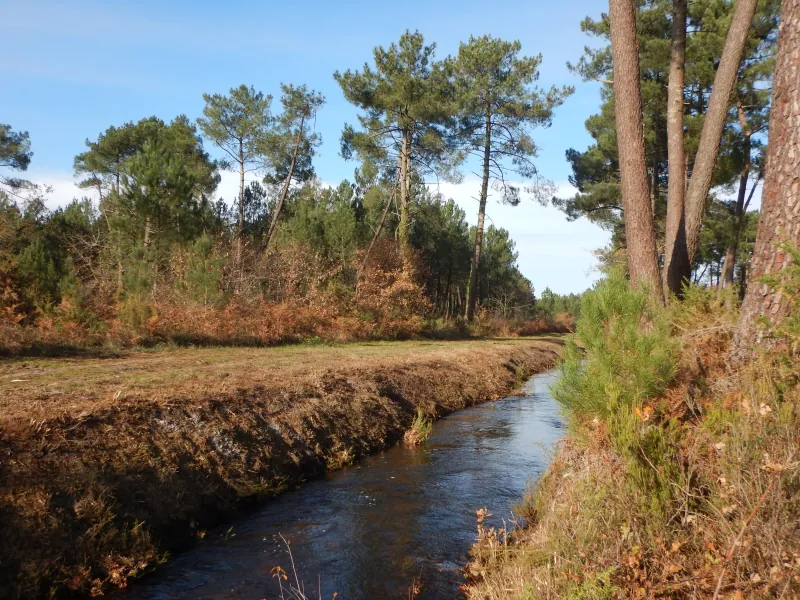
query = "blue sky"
{"x": 71, "y": 69}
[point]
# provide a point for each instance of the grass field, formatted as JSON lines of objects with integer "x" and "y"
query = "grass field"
{"x": 38, "y": 388}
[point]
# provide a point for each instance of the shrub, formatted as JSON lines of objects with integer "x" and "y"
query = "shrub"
{"x": 621, "y": 354}
{"x": 628, "y": 356}
{"x": 202, "y": 278}
{"x": 134, "y": 313}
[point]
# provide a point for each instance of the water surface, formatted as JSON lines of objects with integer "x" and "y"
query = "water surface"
{"x": 369, "y": 531}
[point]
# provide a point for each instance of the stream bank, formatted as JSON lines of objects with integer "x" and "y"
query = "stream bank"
{"x": 396, "y": 525}
{"x": 94, "y": 495}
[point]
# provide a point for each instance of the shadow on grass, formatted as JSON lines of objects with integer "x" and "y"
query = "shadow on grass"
{"x": 39, "y": 350}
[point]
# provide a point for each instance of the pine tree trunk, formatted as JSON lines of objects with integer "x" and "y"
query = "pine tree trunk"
{"x": 147, "y": 230}
{"x": 742, "y": 282}
{"x": 240, "y": 224}
{"x": 780, "y": 202}
{"x": 404, "y": 227}
{"x": 476, "y": 255}
{"x": 654, "y": 177}
{"x": 447, "y": 296}
{"x": 676, "y": 256}
{"x": 641, "y": 242}
{"x": 378, "y": 230}
{"x": 714, "y": 122}
{"x": 285, "y": 191}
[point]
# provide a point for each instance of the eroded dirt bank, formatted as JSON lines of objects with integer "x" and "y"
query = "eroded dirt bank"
{"x": 108, "y": 464}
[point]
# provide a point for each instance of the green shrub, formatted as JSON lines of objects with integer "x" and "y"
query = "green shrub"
{"x": 420, "y": 429}
{"x": 627, "y": 357}
{"x": 203, "y": 275}
{"x": 620, "y": 355}
{"x": 134, "y": 312}
{"x": 596, "y": 586}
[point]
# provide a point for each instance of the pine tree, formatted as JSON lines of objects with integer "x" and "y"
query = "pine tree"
{"x": 239, "y": 124}
{"x": 780, "y": 202}
{"x": 405, "y": 101}
{"x": 156, "y": 194}
{"x": 639, "y": 232}
{"x": 498, "y": 106}
{"x": 291, "y": 145}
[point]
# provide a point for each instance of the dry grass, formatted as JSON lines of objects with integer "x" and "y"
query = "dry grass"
{"x": 729, "y": 527}
{"x": 41, "y": 388}
{"x": 106, "y": 464}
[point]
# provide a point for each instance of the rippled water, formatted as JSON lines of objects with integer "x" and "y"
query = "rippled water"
{"x": 368, "y": 531}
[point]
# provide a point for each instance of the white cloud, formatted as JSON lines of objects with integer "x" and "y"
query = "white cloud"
{"x": 64, "y": 187}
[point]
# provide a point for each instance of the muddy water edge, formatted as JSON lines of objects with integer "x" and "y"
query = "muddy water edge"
{"x": 398, "y": 521}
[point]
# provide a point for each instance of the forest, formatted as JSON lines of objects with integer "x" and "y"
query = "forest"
{"x": 150, "y": 254}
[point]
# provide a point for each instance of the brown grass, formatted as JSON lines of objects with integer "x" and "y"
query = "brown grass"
{"x": 106, "y": 464}
{"x": 728, "y": 526}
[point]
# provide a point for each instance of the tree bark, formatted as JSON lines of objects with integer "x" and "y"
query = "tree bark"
{"x": 654, "y": 175}
{"x": 676, "y": 256}
{"x": 641, "y": 242}
{"x": 285, "y": 191}
{"x": 240, "y": 223}
{"x": 780, "y": 202}
{"x": 717, "y": 112}
{"x": 476, "y": 255}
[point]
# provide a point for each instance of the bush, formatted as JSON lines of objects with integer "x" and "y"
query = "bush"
{"x": 621, "y": 354}
{"x": 202, "y": 279}
{"x": 628, "y": 357}
{"x": 420, "y": 429}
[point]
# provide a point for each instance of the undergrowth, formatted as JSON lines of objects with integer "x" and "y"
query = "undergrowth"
{"x": 679, "y": 477}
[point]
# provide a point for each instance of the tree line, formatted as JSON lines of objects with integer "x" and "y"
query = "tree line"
{"x": 682, "y": 125}
{"x": 156, "y": 234}
{"x": 704, "y": 93}
{"x": 756, "y": 74}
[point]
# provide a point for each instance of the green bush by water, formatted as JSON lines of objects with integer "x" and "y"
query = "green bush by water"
{"x": 621, "y": 354}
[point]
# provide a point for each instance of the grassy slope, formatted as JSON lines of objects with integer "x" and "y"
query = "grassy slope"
{"x": 107, "y": 463}
{"x": 717, "y": 515}
{"x": 40, "y": 388}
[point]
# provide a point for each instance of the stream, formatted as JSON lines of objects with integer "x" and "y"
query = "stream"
{"x": 371, "y": 530}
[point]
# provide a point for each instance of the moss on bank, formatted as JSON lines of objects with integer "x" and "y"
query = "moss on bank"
{"x": 132, "y": 459}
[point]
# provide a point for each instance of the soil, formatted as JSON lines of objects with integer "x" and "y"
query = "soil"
{"x": 107, "y": 464}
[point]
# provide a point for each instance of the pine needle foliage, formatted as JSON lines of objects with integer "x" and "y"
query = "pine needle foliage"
{"x": 621, "y": 354}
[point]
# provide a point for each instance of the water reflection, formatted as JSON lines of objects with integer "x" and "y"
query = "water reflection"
{"x": 368, "y": 531}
